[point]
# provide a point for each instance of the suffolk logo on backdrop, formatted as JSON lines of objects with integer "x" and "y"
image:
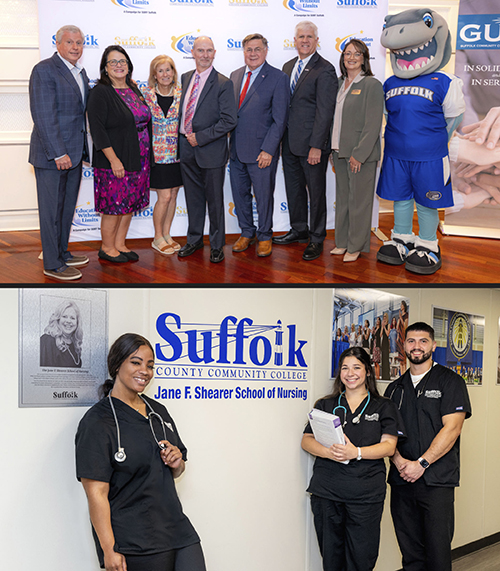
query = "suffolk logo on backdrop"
{"x": 234, "y": 350}
{"x": 478, "y": 32}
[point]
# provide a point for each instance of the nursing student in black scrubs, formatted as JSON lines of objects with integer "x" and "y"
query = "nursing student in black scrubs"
{"x": 347, "y": 500}
{"x": 137, "y": 518}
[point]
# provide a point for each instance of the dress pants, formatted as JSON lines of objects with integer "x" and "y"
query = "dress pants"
{"x": 202, "y": 187}
{"x": 353, "y": 204}
{"x": 186, "y": 559}
{"x": 57, "y": 192}
{"x": 301, "y": 177}
{"x": 424, "y": 522}
{"x": 348, "y": 534}
{"x": 243, "y": 176}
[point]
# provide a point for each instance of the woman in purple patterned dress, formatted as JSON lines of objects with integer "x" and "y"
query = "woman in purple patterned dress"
{"x": 120, "y": 125}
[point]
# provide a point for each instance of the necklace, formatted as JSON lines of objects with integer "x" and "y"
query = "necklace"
{"x": 77, "y": 360}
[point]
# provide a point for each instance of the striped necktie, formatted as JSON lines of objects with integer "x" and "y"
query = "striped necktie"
{"x": 297, "y": 75}
{"x": 191, "y": 104}
{"x": 245, "y": 88}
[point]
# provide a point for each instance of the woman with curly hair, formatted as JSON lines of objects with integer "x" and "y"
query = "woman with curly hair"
{"x": 61, "y": 343}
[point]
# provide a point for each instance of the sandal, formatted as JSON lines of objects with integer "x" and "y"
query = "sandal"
{"x": 164, "y": 249}
{"x": 172, "y": 243}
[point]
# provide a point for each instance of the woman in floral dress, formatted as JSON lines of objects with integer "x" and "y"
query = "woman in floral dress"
{"x": 120, "y": 125}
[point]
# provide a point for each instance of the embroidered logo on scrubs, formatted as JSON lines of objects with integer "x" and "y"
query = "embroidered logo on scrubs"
{"x": 373, "y": 416}
{"x": 433, "y": 394}
{"x": 433, "y": 195}
{"x": 459, "y": 408}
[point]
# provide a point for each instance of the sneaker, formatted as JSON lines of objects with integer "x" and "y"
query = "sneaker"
{"x": 423, "y": 260}
{"x": 395, "y": 250}
{"x": 64, "y": 273}
{"x": 76, "y": 261}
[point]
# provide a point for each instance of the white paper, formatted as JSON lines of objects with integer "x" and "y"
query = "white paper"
{"x": 327, "y": 428}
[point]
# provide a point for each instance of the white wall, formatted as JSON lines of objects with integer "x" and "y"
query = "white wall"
{"x": 244, "y": 487}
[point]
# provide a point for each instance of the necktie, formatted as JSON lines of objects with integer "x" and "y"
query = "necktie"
{"x": 297, "y": 75}
{"x": 245, "y": 88}
{"x": 188, "y": 121}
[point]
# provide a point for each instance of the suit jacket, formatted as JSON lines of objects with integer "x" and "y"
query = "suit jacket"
{"x": 263, "y": 114}
{"x": 362, "y": 121}
{"x": 214, "y": 118}
{"x": 312, "y": 106}
{"x": 58, "y": 113}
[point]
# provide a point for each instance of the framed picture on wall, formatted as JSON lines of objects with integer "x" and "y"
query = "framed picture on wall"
{"x": 63, "y": 344}
{"x": 459, "y": 338}
{"x": 375, "y": 320}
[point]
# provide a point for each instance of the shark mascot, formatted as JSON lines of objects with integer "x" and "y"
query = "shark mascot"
{"x": 424, "y": 106}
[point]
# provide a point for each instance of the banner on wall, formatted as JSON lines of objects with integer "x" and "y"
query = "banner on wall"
{"x": 254, "y": 361}
{"x": 63, "y": 346}
{"x": 460, "y": 338}
{"x": 475, "y": 172}
{"x": 374, "y": 320}
{"x": 147, "y": 28}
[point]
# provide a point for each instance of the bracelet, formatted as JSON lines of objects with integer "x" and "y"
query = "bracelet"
{"x": 359, "y": 454}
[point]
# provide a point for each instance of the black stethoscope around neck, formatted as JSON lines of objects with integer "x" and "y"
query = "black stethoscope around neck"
{"x": 120, "y": 455}
{"x": 357, "y": 418}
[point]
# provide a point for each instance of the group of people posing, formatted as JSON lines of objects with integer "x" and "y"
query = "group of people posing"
{"x": 166, "y": 135}
{"x": 129, "y": 452}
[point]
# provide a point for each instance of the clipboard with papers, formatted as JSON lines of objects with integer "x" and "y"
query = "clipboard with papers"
{"x": 327, "y": 428}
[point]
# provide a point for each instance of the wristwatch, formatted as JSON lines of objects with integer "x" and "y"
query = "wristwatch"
{"x": 359, "y": 454}
{"x": 423, "y": 462}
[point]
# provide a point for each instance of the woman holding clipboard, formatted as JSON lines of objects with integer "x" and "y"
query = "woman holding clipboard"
{"x": 347, "y": 499}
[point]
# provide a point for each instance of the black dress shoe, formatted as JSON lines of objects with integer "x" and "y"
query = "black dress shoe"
{"x": 115, "y": 259}
{"x": 216, "y": 255}
{"x": 292, "y": 236}
{"x": 131, "y": 256}
{"x": 313, "y": 251}
{"x": 189, "y": 249}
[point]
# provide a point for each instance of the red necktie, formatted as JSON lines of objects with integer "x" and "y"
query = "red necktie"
{"x": 188, "y": 121}
{"x": 245, "y": 88}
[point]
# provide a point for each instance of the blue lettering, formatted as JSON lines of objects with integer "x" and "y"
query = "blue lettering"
{"x": 169, "y": 336}
{"x": 254, "y": 346}
{"x": 223, "y": 334}
{"x": 292, "y": 352}
{"x": 240, "y": 337}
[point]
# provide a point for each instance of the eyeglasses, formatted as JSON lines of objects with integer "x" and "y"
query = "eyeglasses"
{"x": 353, "y": 54}
{"x": 115, "y": 62}
{"x": 253, "y": 50}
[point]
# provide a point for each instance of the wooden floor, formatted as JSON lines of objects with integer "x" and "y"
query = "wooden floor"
{"x": 487, "y": 559}
{"x": 465, "y": 261}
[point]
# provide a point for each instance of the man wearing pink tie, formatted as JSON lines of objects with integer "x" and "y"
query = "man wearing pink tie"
{"x": 208, "y": 113}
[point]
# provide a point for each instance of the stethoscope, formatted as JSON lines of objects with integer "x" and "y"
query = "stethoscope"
{"x": 419, "y": 393}
{"x": 357, "y": 418}
{"x": 120, "y": 455}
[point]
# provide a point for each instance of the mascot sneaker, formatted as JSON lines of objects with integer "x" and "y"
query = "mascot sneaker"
{"x": 396, "y": 250}
{"x": 425, "y": 258}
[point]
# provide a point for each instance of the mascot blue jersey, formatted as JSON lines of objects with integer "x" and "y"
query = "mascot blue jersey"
{"x": 417, "y": 107}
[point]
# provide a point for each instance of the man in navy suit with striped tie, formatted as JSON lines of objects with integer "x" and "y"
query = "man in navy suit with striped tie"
{"x": 306, "y": 143}
{"x": 262, "y": 95}
{"x": 58, "y": 95}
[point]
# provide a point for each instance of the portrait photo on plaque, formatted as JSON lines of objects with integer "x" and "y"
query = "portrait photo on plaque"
{"x": 63, "y": 343}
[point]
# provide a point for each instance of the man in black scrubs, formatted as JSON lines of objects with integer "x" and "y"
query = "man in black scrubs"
{"x": 425, "y": 469}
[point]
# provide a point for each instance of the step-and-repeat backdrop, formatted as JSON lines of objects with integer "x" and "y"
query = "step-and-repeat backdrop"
{"x": 147, "y": 28}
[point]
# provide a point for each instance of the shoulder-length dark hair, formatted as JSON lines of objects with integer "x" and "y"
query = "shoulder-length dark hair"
{"x": 122, "y": 348}
{"x": 104, "y": 78}
{"x": 361, "y": 355}
{"x": 362, "y": 48}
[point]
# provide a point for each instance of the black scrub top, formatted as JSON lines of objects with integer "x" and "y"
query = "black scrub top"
{"x": 360, "y": 481}
{"x": 146, "y": 513}
{"x": 439, "y": 393}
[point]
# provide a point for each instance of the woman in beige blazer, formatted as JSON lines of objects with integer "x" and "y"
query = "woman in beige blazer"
{"x": 356, "y": 150}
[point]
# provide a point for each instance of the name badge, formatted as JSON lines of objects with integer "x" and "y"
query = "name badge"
{"x": 355, "y": 91}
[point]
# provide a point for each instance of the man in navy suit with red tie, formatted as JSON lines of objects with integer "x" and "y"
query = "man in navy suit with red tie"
{"x": 262, "y": 96}
{"x": 58, "y": 95}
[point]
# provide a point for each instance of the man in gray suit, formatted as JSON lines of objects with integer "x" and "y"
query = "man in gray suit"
{"x": 207, "y": 114}
{"x": 306, "y": 143}
{"x": 58, "y": 94}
